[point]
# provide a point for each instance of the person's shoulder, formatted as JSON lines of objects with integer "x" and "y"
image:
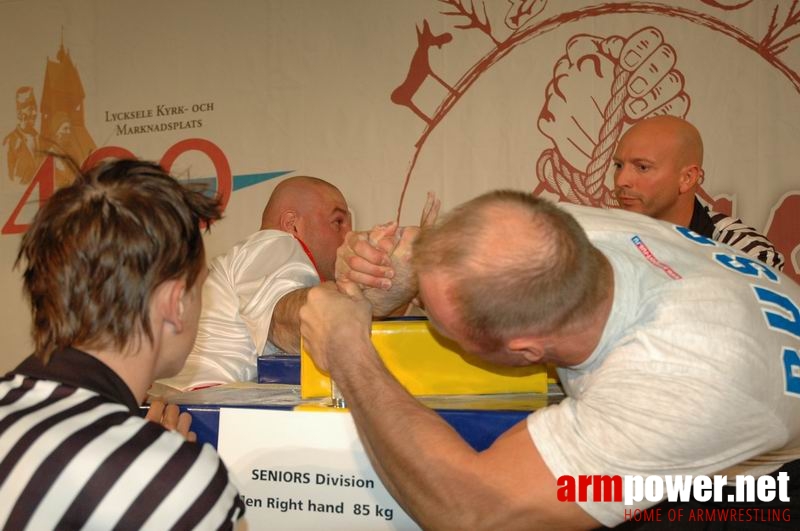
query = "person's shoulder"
{"x": 722, "y": 220}
{"x": 602, "y": 219}
{"x": 262, "y": 239}
{"x": 733, "y": 231}
{"x": 30, "y": 385}
{"x": 725, "y": 223}
{"x": 271, "y": 235}
{"x": 593, "y": 214}
{"x": 258, "y": 260}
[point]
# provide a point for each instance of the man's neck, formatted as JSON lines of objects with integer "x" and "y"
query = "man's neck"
{"x": 681, "y": 212}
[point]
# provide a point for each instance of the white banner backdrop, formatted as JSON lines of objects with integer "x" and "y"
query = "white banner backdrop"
{"x": 390, "y": 99}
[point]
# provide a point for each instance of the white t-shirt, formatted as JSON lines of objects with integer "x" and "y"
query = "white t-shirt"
{"x": 697, "y": 371}
{"x": 239, "y": 296}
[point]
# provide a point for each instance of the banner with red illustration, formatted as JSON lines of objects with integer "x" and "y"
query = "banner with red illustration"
{"x": 390, "y": 99}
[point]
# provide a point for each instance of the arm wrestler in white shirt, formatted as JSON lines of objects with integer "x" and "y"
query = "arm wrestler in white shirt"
{"x": 255, "y": 290}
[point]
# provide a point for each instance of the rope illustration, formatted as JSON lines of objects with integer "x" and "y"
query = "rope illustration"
{"x": 588, "y": 188}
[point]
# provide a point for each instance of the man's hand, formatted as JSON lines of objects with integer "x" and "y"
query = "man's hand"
{"x": 655, "y": 86}
{"x": 572, "y": 115}
{"x": 404, "y": 282}
{"x": 403, "y": 289}
{"x": 171, "y": 418}
{"x": 332, "y": 320}
{"x": 364, "y": 257}
{"x": 379, "y": 261}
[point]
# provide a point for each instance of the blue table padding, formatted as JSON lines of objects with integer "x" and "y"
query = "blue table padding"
{"x": 279, "y": 369}
{"x": 478, "y": 428}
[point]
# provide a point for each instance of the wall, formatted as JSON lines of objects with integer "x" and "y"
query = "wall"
{"x": 391, "y": 99}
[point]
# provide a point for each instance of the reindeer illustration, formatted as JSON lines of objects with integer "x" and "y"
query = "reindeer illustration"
{"x": 420, "y": 70}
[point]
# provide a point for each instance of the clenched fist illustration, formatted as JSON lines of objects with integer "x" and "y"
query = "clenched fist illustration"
{"x": 598, "y": 85}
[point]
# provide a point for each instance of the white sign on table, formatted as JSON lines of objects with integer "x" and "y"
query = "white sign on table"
{"x": 304, "y": 470}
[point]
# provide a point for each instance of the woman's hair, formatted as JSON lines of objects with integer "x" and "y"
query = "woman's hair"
{"x": 97, "y": 249}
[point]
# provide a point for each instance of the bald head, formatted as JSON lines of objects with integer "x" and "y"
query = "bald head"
{"x": 682, "y": 137}
{"x": 315, "y": 212}
{"x": 658, "y": 168}
{"x": 293, "y": 193}
{"x": 510, "y": 262}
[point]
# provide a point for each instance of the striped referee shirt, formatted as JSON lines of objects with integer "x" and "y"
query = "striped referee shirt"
{"x": 74, "y": 453}
{"x": 732, "y": 231}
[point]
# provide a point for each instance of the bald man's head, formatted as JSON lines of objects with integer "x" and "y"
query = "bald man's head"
{"x": 658, "y": 168}
{"x": 315, "y": 212}
{"x": 503, "y": 263}
{"x": 687, "y": 145}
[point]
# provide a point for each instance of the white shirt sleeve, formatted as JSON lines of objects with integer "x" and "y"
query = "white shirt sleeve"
{"x": 643, "y": 414}
{"x": 239, "y": 296}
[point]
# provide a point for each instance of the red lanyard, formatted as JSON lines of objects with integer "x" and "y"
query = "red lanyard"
{"x": 310, "y": 257}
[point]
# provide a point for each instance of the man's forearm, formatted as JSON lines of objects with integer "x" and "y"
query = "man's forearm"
{"x": 422, "y": 461}
{"x": 284, "y": 328}
{"x": 439, "y": 479}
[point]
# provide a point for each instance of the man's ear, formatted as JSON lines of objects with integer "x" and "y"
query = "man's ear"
{"x": 169, "y": 302}
{"x": 287, "y": 222}
{"x": 691, "y": 177}
{"x": 529, "y": 348}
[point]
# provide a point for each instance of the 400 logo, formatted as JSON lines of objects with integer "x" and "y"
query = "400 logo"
{"x": 224, "y": 182}
{"x": 53, "y": 129}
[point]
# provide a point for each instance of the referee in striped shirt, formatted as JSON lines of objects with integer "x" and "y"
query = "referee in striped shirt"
{"x": 658, "y": 170}
{"x": 113, "y": 269}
